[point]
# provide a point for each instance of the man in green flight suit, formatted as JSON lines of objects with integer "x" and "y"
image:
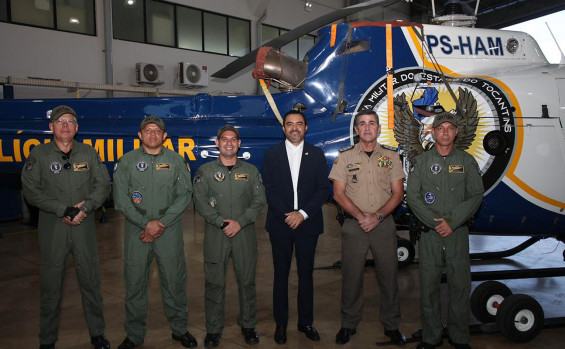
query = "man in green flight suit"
{"x": 152, "y": 189}
{"x": 229, "y": 194}
{"x": 444, "y": 190}
{"x": 67, "y": 181}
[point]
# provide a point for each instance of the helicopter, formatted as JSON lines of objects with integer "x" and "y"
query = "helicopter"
{"x": 509, "y": 103}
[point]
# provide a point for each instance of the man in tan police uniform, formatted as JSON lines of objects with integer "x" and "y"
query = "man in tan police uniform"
{"x": 367, "y": 183}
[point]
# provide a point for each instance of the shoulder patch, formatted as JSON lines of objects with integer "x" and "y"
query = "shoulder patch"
{"x": 197, "y": 176}
{"x": 29, "y": 163}
{"x": 346, "y": 148}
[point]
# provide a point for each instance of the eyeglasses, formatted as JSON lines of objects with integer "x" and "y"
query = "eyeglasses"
{"x": 65, "y": 121}
{"x": 66, "y": 157}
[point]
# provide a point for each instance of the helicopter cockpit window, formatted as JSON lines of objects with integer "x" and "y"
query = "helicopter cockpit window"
{"x": 354, "y": 47}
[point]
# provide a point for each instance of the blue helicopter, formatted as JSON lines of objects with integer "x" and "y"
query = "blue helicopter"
{"x": 505, "y": 94}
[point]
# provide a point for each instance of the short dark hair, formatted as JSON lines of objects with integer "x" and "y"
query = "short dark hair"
{"x": 365, "y": 112}
{"x": 291, "y": 112}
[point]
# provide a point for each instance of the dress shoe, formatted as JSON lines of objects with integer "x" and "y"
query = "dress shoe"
{"x": 127, "y": 344}
{"x": 250, "y": 335}
{"x": 186, "y": 340}
{"x": 425, "y": 345}
{"x": 396, "y": 336}
{"x": 310, "y": 332}
{"x": 47, "y": 346}
{"x": 280, "y": 335}
{"x": 212, "y": 340}
{"x": 100, "y": 342}
{"x": 344, "y": 334}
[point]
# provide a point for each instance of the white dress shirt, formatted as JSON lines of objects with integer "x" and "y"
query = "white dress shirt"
{"x": 294, "y": 154}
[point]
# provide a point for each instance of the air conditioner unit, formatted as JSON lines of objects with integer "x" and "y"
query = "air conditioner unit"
{"x": 149, "y": 73}
{"x": 192, "y": 75}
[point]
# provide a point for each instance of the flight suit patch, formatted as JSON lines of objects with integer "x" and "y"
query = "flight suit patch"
{"x": 435, "y": 168}
{"x": 136, "y": 197}
{"x": 456, "y": 169}
{"x": 141, "y": 166}
{"x": 55, "y": 167}
{"x": 80, "y": 167}
{"x": 219, "y": 176}
{"x": 213, "y": 202}
{"x": 384, "y": 161}
{"x": 198, "y": 177}
{"x": 29, "y": 164}
{"x": 160, "y": 167}
{"x": 241, "y": 177}
{"x": 430, "y": 197}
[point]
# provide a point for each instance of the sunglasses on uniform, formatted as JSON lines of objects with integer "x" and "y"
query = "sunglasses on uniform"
{"x": 66, "y": 157}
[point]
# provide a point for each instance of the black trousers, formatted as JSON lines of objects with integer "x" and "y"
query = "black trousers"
{"x": 283, "y": 244}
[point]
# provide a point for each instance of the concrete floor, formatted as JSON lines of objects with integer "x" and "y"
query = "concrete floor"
{"x": 20, "y": 291}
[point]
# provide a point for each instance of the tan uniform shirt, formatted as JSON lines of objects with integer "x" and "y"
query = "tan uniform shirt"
{"x": 368, "y": 179}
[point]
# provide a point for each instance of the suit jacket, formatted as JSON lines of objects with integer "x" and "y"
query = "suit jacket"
{"x": 313, "y": 188}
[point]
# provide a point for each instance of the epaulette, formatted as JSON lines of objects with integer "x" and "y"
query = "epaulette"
{"x": 346, "y": 148}
{"x": 384, "y": 146}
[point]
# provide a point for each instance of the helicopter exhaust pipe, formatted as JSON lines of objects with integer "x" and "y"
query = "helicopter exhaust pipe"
{"x": 274, "y": 64}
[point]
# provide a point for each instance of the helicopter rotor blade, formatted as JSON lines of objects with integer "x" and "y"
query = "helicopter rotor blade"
{"x": 244, "y": 61}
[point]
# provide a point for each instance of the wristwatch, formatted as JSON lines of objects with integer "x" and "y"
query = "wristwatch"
{"x": 381, "y": 218}
{"x": 83, "y": 208}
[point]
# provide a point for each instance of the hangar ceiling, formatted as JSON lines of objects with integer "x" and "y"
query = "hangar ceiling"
{"x": 492, "y": 13}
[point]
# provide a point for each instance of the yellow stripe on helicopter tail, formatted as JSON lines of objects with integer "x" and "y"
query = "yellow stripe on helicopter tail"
{"x": 389, "y": 77}
{"x": 270, "y": 100}
{"x": 333, "y": 33}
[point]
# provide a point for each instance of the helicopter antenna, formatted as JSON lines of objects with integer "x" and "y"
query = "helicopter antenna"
{"x": 562, "y": 60}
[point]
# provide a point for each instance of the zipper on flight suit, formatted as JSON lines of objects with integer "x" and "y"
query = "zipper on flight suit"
{"x": 444, "y": 184}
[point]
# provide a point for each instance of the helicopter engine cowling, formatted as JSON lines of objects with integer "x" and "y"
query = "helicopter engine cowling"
{"x": 274, "y": 64}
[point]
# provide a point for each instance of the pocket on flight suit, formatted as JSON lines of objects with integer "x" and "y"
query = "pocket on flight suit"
{"x": 456, "y": 192}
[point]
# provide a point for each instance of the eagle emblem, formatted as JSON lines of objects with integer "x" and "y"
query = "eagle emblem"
{"x": 413, "y": 128}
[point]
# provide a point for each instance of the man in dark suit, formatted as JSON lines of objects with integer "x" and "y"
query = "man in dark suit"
{"x": 295, "y": 175}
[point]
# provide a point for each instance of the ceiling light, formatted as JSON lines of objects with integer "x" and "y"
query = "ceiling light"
{"x": 307, "y": 6}
{"x": 129, "y": 3}
{"x": 74, "y": 20}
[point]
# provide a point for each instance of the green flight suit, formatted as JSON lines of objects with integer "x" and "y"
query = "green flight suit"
{"x": 239, "y": 195}
{"x": 153, "y": 187}
{"x": 447, "y": 187}
{"x": 52, "y": 188}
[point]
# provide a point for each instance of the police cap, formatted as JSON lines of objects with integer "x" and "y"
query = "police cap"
{"x": 152, "y": 120}
{"x": 58, "y": 111}
{"x": 228, "y": 128}
{"x": 444, "y": 117}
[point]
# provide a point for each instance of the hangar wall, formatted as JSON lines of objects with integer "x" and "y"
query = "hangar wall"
{"x": 44, "y": 53}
